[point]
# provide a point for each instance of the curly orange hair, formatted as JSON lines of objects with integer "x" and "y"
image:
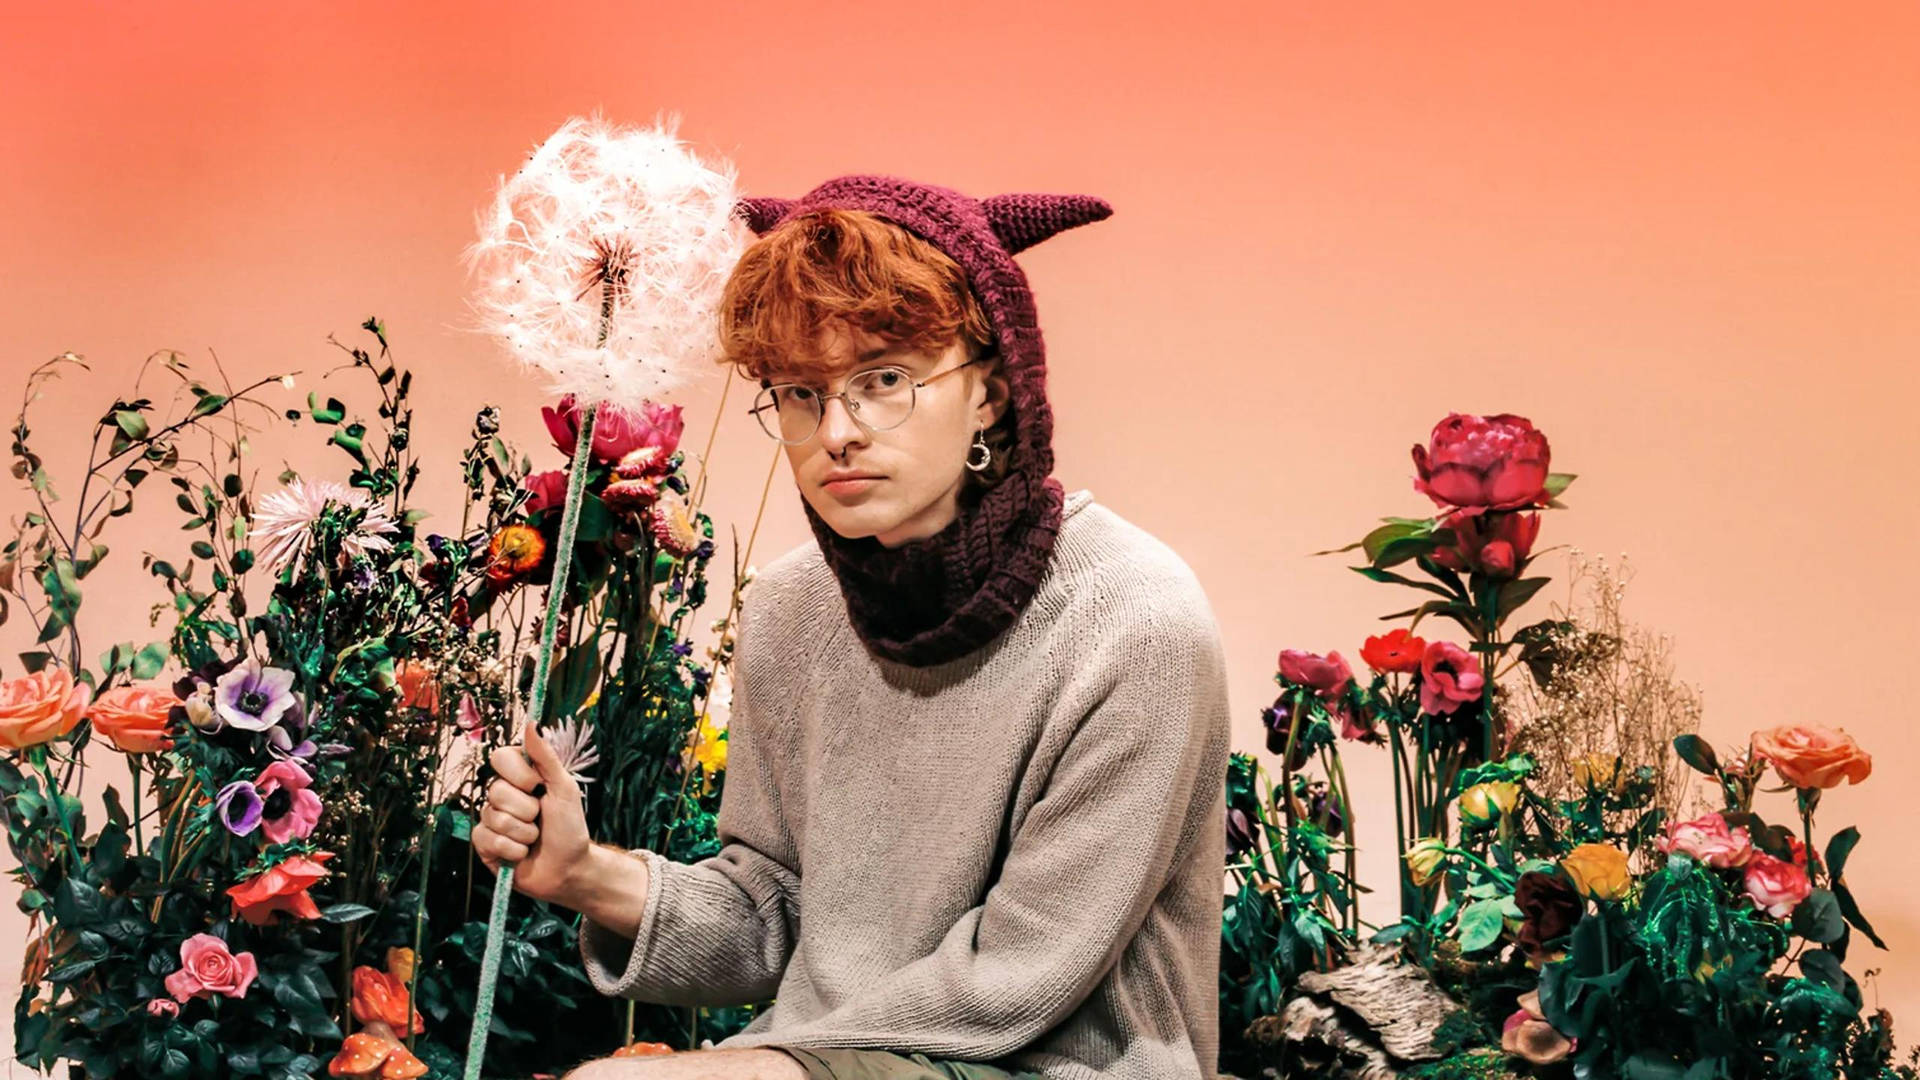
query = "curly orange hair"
{"x": 846, "y": 266}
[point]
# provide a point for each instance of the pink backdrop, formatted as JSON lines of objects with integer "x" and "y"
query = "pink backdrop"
{"x": 1684, "y": 240}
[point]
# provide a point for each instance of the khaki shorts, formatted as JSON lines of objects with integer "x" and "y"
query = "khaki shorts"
{"x": 825, "y": 1064}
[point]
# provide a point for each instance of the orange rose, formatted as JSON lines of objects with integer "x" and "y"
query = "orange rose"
{"x": 1810, "y": 756}
{"x": 283, "y": 888}
{"x": 134, "y": 718}
{"x": 377, "y": 995}
{"x": 39, "y": 707}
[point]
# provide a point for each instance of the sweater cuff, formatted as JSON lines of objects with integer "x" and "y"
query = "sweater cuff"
{"x": 614, "y": 963}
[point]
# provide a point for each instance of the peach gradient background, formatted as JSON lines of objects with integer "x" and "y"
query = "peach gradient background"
{"x": 1684, "y": 239}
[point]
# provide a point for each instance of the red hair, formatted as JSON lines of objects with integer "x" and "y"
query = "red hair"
{"x": 850, "y": 267}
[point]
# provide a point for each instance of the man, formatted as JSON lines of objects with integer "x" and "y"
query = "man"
{"x": 971, "y": 821}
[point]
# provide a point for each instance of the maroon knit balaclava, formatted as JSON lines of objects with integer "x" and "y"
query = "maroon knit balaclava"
{"x": 937, "y": 599}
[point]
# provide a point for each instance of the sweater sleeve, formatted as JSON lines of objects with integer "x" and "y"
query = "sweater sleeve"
{"x": 1121, "y": 809}
{"x": 718, "y": 931}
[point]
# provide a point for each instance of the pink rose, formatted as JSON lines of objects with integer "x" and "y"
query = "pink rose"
{"x": 1326, "y": 675}
{"x": 1449, "y": 678}
{"x": 289, "y": 810}
{"x": 206, "y": 967}
{"x": 617, "y": 432}
{"x": 40, "y": 707}
{"x": 546, "y": 489}
{"x": 1776, "y": 885}
{"x": 166, "y": 1007}
{"x": 1481, "y": 463}
{"x": 1708, "y": 839}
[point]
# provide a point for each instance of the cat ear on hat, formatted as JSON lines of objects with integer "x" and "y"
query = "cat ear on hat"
{"x": 762, "y": 212}
{"x": 1021, "y": 221}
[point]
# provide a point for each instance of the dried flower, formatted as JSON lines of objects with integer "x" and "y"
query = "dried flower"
{"x": 515, "y": 550}
{"x": 601, "y": 261}
{"x": 283, "y": 522}
{"x": 673, "y": 525}
{"x": 572, "y": 742}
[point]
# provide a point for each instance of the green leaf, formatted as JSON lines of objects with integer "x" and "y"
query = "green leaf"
{"x": 149, "y": 660}
{"x": 1697, "y": 752}
{"x": 333, "y": 413}
{"x": 131, "y": 422}
{"x": 1376, "y": 541}
{"x": 1823, "y": 967}
{"x": 1480, "y": 925}
{"x": 345, "y": 913}
{"x": 202, "y": 550}
{"x": 1559, "y": 482}
{"x": 1838, "y": 848}
{"x": 1517, "y": 592}
{"x": 77, "y": 905}
{"x": 1818, "y": 918}
{"x": 1403, "y": 549}
{"x": 1851, "y": 910}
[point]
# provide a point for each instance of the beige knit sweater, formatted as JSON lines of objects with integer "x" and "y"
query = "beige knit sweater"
{"x": 1014, "y": 856}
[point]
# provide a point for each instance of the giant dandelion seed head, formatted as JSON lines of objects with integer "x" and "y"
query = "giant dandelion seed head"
{"x": 600, "y": 263}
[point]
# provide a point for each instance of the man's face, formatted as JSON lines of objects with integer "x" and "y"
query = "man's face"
{"x": 917, "y": 469}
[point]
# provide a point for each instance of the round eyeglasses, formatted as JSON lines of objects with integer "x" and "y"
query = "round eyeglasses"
{"x": 878, "y": 399}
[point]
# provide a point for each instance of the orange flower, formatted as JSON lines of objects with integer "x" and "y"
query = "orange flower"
{"x": 1810, "y": 756}
{"x": 134, "y": 717}
{"x": 400, "y": 963}
{"x": 375, "y": 1052}
{"x": 514, "y": 550}
{"x": 39, "y": 707}
{"x": 378, "y": 995}
{"x": 419, "y": 688}
{"x": 643, "y": 1049}
{"x": 283, "y": 888}
{"x": 1394, "y": 651}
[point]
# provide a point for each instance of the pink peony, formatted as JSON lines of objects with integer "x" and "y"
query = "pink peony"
{"x": 1494, "y": 544}
{"x": 206, "y": 967}
{"x": 617, "y": 432}
{"x": 1708, "y": 839}
{"x": 1480, "y": 463}
{"x": 546, "y": 489}
{"x": 1449, "y": 678}
{"x": 1776, "y": 885}
{"x": 1326, "y": 675}
{"x": 289, "y": 810}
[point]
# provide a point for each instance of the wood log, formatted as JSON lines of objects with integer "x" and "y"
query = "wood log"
{"x": 1365, "y": 1020}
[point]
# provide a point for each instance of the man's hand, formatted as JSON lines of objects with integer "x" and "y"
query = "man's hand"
{"x": 534, "y": 819}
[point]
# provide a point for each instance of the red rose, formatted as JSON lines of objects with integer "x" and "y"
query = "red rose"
{"x": 1481, "y": 463}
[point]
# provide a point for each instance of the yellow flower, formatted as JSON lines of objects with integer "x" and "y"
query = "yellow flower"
{"x": 1425, "y": 857}
{"x": 1598, "y": 870}
{"x": 400, "y": 964}
{"x": 1486, "y": 803}
{"x": 710, "y": 746}
{"x": 1599, "y": 770}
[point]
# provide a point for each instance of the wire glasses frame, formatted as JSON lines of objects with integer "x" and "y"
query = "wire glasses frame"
{"x": 767, "y": 404}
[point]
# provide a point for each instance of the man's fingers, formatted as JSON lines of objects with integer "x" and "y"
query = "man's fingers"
{"x": 511, "y": 800}
{"x": 511, "y": 827}
{"x": 513, "y": 767}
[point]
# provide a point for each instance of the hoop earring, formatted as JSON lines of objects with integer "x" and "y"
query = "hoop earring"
{"x": 985, "y": 451}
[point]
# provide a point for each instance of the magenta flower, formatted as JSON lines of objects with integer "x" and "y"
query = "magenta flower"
{"x": 1481, "y": 463}
{"x": 1326, "y": 675}
{"x": 617, "y": 432}
{"x": 289, "y": 809}
{"x": 1449, "y": 678}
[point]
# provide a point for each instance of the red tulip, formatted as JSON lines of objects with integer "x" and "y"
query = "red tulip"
{"x": 1480, "y": 463}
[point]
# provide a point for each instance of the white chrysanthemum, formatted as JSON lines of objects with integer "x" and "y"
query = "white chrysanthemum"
{"x": 598, "y": 213}
{"x": 283, "y": 522}
{"x": 572, "y": 742}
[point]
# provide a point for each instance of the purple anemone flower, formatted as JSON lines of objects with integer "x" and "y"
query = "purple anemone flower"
{"x": 240, "y": 807}
{"x": 253, "y": 698}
